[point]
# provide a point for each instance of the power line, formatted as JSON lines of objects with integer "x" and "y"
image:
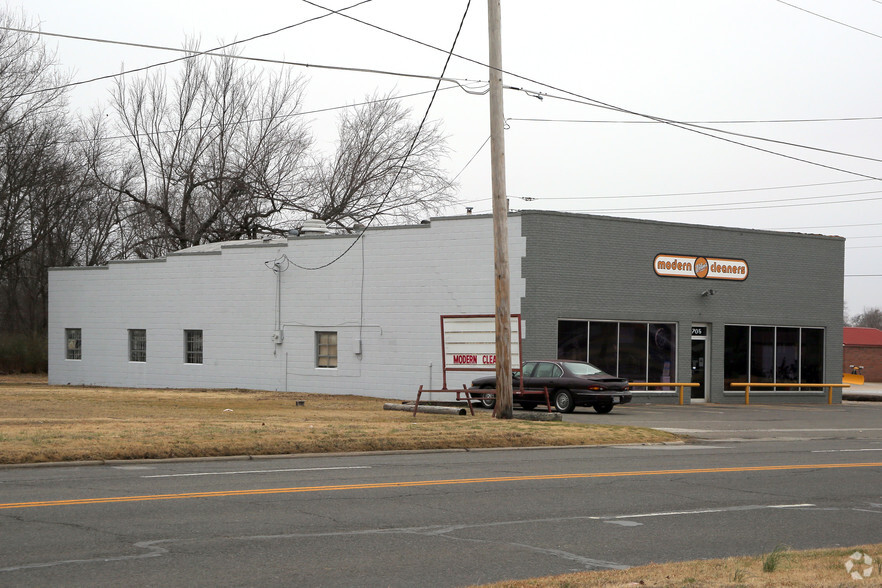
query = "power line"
{"x": 730, "y": 205}
{"x": 733, "y": 133}
{"x": 716, "y": 207}
{"x": 280, "y": 117}
{"x": 406, "y": 155}
{"x": 677, "y": 194}
{"x": 703, "y": 122}
{"x": 830, "y": 19}
{"x": 713, "y": 206}
{"x": 588, "y": 101}
{"x": 192, "y": 55}
{"x": 212, "y": 53}
{"x": 593, "y": 102}
{"x": 708, "y": 131}
{"x": 469, "y": 162}
{"x": 827, "y": 226}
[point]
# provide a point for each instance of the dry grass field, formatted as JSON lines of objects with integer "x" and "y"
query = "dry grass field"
{"x": 819, "y": 568}
{"x": 43, "y": 423}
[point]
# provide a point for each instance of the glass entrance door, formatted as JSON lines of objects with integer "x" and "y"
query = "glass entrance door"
{"x": 699, "y": 370}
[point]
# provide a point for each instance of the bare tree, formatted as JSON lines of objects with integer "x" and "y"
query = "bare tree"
{"x": 213, "y": 155}
{"x": 34, "y": 158}
{"x": 41, "y": 177}
{"x": 381, "y": 168}
{"x": 871, "y": 317}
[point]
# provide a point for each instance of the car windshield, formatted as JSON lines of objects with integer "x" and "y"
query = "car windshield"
{"x": 581, "y": 369}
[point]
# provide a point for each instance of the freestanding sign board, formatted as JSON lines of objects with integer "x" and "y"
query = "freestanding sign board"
{"x": 468, "y": 342}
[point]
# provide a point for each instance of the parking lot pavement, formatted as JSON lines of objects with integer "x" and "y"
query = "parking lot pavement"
{"x": 739, "y": 422}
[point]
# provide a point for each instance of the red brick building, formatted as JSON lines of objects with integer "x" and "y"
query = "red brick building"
{"x": 863, "y": 347}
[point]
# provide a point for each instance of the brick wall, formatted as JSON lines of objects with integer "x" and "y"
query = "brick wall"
{"x": 600, "y": 268}
{"x": 869, "y": 357}
{"x": 383, "y": 298}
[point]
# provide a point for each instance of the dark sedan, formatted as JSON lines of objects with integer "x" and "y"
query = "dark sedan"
{"x": 570, "y": 384}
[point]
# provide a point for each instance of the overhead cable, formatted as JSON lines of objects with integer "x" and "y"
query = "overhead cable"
{"x": 406, "y": 155}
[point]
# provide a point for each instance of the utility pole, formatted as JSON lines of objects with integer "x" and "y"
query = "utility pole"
{"x": 500, "y": 216}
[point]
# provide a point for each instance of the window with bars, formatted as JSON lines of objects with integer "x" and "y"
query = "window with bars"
{"x": 193, "y": 346}
{"x": 138, "y": 345}
{"x": 73, "y": 343}
{"x": 326, "y": 349}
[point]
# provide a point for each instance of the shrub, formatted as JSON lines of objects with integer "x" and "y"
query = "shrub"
{"x": 21, "y": 353}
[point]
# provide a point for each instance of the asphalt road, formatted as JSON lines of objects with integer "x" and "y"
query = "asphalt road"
{"x": 808, "y": 476}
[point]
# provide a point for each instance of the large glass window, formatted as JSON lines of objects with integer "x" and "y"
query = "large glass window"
{"x": 662, "y": 353}
{"x": 787, "y": 355}
{"x": 603, "y": 339}
{"x": 326, "y": 349}
{"x": 572, "y": 340}
{"x": 640, "y": 352}
{"x": 137, "y": 345}
{"x": 811, "y": 361}
{"x": 73, "y": 339}
{"x": 762, "y": 354}
{"x": 193, "y": 346}
{"x": 632, "y": 351}
{"x": 736, "y": 355}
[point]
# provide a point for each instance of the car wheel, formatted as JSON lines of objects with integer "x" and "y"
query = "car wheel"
{"x": 488, "y": 401}
{"x": 528, "y": 405}
{"x": 603, "y": 407}
{"x": 564, "y": 401}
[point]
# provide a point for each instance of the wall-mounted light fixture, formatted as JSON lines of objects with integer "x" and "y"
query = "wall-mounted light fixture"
{"x": 708, "y": 292}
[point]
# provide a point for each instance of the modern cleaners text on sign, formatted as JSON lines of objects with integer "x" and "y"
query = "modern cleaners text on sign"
{"x": 686, "y": 266}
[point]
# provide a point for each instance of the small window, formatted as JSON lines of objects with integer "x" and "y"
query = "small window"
{"x": 326, "y": 349}
{"x": 193, "y": 346}
{"x": 137, "y": 344}
{"x": 74, "y": 343}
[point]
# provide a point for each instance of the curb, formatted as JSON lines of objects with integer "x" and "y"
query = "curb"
{"x": 125, "y": 462}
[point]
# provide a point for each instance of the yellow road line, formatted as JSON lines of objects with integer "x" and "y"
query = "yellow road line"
{"x": 416, "y": 483}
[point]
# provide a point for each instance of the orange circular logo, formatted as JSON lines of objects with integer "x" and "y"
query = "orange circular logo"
{"x": 701, "y": 267}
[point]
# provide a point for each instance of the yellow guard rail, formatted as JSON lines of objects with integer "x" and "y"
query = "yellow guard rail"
{"x": 748, "y": 385}
{"x": 680, "y": 385}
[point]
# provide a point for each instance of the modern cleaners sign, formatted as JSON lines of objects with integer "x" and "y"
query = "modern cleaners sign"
{"x": 686, "y": 266}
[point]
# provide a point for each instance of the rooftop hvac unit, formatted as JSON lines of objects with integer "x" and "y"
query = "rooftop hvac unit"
{"x": 314, "y": 226}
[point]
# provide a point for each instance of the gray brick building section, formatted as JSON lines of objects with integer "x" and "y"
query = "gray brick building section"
{"x": 601, "y": 268}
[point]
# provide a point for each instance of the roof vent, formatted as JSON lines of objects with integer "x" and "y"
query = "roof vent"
{"x": 314, "y": 226}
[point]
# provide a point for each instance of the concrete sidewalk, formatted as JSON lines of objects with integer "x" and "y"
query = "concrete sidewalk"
{"x": 868, "y": 391}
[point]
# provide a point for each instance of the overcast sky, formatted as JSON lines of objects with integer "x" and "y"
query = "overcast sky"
{"x": 802, "y": 72}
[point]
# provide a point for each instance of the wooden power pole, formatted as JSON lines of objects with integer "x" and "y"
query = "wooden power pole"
{"x": 500, "y": 216}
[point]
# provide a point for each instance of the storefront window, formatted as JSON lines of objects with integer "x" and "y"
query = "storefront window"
{"x": 736, "y": 355}
{"x": 773, "y": 354}
{"x": 572, "y": 340}
{"x": 640, "y": 352}
{"x": 787, "y": 355}
{"x": 811, "y": 364}
{"x": 632, "y": 351}
{"x": 603, "y": 345}
{"x": 762, "y": 354}
{"x": 662, "y": 353}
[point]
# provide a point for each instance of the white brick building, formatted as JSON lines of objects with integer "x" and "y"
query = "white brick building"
{"x": 382, "y": 300}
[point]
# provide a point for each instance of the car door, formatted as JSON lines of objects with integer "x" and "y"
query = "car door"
{"x": 526, "y": 372}
{"x": 543, "y": 375}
